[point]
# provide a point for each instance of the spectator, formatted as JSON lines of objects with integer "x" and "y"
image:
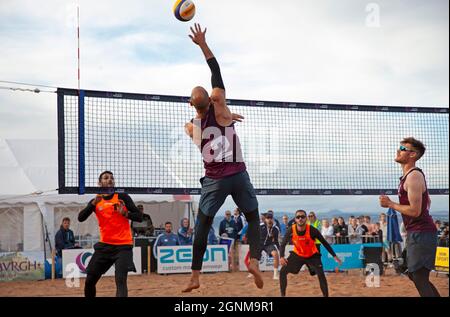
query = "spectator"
{"x": 262, "y": 218}
{"x": 363, "y": 225}
{"x": 277, "y": 223}
{"x": 369, "y": 225}
{"x": 439, "y": 228}
{"x": 443, "y": 238}
{"x": 64, "y": 238}
{"x": 377, "y": 233}
{"x": 212, "y": 238}
{"x": 185, "y": 232}
{"x": 313, "y": 221}
{"x": 227, "y": 227}
{"x": 341, "y": 232}
{"x": 350, "y": 219}
{"x": 166, "y": 239}
{"x": 244, "y": 234}
{"x": 284, "y": 225}
{"x": 327, "y": 231}
{"x": 335, "y": 225}
{"x": 239, "y": 219}
{"x": 387, "y": 250}
{"x": 137, "y": 227}
{"x": 270, "y": 243}
{"x": 355, "y": 231}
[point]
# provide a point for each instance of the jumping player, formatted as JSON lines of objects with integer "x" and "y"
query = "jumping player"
{"x": 213, "y": 132}
{"x": 113, "y": 211}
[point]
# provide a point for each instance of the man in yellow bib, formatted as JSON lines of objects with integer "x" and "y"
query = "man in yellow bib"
{"x": 302, "y": 236}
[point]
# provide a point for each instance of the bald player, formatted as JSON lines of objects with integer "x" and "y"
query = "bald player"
{"x": 212, "y": 130}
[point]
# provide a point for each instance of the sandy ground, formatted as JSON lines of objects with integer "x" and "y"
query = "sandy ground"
{"x": 233, "y": 284}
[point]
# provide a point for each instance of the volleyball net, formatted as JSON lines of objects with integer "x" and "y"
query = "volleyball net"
{"x": 289, "y": 148}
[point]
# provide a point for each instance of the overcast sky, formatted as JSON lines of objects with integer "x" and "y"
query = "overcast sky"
{"x": 390, "y": 52}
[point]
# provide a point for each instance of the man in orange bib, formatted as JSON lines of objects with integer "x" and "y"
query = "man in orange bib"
{"x": 114, "y": 212}
{"x": 303, "y": 237}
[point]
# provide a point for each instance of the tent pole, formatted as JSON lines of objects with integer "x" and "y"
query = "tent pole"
{"x": 53, "y": 264}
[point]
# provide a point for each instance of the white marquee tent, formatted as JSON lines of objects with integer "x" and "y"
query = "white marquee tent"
{"x": 30, "y": 205}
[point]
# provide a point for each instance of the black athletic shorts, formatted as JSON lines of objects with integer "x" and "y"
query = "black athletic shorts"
{"x": 215, "y": 191}
{"x": 269, "y": 249}
{"x": 107, "y": 255}
{"x": 295, "y": 263}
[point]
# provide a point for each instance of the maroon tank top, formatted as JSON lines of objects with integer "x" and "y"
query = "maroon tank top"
{"x": 221, "y": 149}
{"x": 423, "y": 223}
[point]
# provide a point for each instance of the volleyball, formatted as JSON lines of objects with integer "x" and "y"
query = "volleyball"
{"x": 184, "y": 10}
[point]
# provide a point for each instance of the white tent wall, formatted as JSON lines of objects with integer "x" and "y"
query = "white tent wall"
{"x": 21, "y": 228}
{"x": 21, "y": 223}
{"x": 11, "y": 228}
{"x": 29, "y": 200}
{"x": 33, "y": 233}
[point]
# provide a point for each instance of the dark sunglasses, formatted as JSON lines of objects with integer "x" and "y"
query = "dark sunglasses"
{"x": 403, "y": 148}
{"x": 300, "y": 217}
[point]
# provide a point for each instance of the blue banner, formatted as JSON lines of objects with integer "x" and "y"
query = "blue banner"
{"x": 352, "y": 256}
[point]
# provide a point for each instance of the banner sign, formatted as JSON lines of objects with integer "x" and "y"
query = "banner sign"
{"x": 75, "y": 262}
{"x": 352, "y": 256}
{"x": 441, "y": 259}
{"x": 22, "y": 266}
{"x": 178, "y": 259}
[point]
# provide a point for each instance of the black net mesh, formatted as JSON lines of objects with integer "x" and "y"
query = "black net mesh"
{"x": 288, "y": 148}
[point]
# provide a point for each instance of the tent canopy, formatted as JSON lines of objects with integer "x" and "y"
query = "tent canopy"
{"x": 29, "y": 199}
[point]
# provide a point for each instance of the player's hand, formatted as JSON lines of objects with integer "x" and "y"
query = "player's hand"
{"x": 97, "y": 199}
{"x": 189, "y": 129}
{"x": 122, "y": 209}
{"x": 283, "y": 262}
{"x": 237, "y": 117}
{"x": 338, "y": 260}
{"x": 198, "y": 36}
{"x": 385, "y": 201}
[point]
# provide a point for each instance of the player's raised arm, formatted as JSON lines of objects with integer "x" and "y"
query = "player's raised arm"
{"x": 218, "y": 97}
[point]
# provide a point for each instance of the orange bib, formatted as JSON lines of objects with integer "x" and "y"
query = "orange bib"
{"x": 114, "y": 228}
{"x": 304, "y": 246}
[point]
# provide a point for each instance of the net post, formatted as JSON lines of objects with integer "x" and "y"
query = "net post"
{"x": 61, "y": 141}
{"x": 81, "y": 156}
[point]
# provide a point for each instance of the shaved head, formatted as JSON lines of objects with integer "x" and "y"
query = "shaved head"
{"x": 200, "y": 98}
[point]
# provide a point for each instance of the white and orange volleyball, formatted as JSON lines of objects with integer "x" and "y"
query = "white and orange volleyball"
{"x": 184, "y": 10}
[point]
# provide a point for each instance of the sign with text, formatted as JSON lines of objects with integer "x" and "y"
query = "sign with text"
{"x": 441, "y": 259}
{"x": 22, "y": 266}
{"x": 178, "y": 259}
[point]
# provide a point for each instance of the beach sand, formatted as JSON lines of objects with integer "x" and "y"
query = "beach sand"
{"x": 236, "y": 284}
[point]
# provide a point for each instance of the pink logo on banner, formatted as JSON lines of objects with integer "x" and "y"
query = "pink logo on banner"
{"x": 81, "y": 261}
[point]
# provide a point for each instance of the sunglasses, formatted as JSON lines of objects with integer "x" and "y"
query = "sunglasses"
{"x": 403, "y": 148}
{"x": 300, "y": 217}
